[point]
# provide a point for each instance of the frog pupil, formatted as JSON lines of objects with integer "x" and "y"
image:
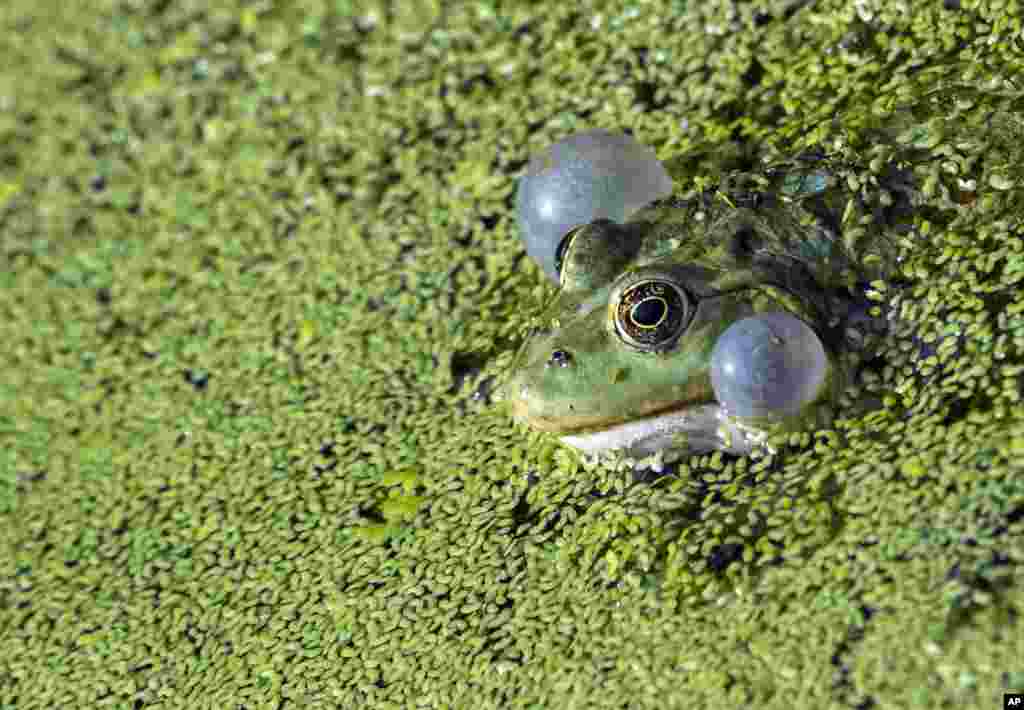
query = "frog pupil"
{"x": 649, "y": 312}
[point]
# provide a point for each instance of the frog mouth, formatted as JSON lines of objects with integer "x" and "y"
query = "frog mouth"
{"x": 570, "y": 420}
{"x": 695, "y": 425}
{"x": 693, "y": 429}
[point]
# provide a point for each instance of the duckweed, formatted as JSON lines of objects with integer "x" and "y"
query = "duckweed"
{"x": 272, "y": 326}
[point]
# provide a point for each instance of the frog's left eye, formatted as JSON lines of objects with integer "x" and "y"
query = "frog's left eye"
{"x": 584, "y": 177}
{"x": 650, "y": 314}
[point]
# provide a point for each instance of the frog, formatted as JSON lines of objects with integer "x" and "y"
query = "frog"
{"x": 693, "y": 322}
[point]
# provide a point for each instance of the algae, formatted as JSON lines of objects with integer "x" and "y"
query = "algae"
{"x": 259, "y": 257}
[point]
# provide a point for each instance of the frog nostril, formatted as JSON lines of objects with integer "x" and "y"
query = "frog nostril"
{"x": 560, "y": 358}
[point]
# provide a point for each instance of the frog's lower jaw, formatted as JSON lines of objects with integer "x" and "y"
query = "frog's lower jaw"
{"x": 694, "y": 429}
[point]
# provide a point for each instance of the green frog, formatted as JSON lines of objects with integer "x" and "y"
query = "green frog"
{"x": 691, "y": 324}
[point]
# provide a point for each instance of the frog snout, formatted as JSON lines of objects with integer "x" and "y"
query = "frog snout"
{"x": 521, "y": 400}
{"x": 512, "y": 394}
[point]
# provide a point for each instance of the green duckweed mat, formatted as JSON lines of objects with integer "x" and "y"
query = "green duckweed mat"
{"x": 260, "y": 272}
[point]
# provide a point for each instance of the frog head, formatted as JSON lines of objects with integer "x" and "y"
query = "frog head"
{"x": 686, "y": 323}
{"x": 646, "y": 347}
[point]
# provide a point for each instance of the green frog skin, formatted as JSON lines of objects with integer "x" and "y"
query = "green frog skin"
{"x": 705, "y": 323}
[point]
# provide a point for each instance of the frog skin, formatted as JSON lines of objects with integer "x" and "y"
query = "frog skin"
{"x": 624, "y": 356}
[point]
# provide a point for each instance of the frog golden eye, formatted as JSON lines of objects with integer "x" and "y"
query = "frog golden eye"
{"x": 651, "y": 314}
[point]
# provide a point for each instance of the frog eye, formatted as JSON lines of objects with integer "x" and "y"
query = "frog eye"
{"x": 584, "y": 177}
{"x": 594, "y": 254}
{"x": 650, "y": 314}
{"x": 559, "y": 358}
